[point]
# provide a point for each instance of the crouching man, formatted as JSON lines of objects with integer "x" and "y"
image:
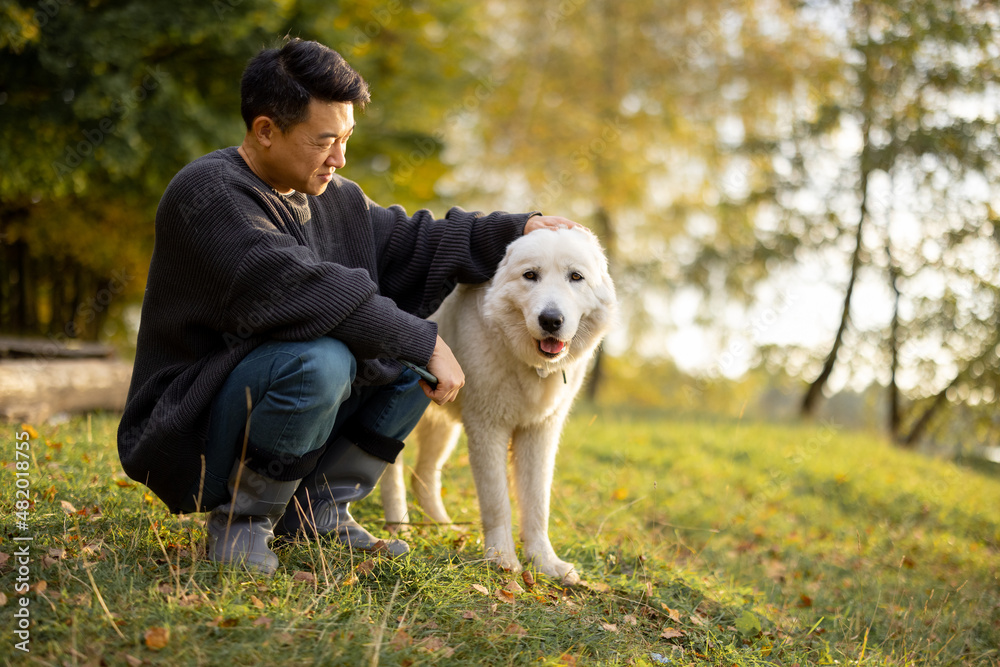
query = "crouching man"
{"x": 280, "y": 302}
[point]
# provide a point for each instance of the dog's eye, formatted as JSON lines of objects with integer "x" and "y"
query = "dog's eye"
{"x": 575, "y": 276}
{"x": 530, "y": 275}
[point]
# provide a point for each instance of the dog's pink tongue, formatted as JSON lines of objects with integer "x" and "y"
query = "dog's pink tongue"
{"x": 552, "y": 345}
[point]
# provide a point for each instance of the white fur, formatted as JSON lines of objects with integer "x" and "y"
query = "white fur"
{"x": 514, "y": 395}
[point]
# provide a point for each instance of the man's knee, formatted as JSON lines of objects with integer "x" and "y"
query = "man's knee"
{"x": 326, "y": 369}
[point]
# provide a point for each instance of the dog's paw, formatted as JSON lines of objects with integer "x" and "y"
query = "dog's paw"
{"x": 557, "y": 569}
{"x": 503, "y": 559}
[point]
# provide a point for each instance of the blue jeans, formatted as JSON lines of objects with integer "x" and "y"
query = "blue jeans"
{"x": 301, "y": 400}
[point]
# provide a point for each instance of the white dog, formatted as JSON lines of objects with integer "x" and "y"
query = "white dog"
{"x": 524, "y": 340}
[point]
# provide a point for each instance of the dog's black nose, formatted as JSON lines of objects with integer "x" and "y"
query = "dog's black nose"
{"x": 550, "y": 320}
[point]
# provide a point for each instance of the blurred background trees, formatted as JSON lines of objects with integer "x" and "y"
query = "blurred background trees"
{"x": 798, "y": 198}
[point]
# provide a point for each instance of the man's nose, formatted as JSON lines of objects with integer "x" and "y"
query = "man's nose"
{"x": 338, "y": 157}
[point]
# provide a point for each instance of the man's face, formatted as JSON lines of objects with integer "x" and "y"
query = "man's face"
{"x": 304, "y": 156}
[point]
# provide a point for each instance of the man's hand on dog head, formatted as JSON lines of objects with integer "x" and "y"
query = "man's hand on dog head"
{"x": 445, "y": 367}
{"x": 549, "y": 222}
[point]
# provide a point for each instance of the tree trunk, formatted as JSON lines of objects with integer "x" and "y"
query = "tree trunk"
{"x": 811, "y": 400}
{"x": 909, "y": 441}
{"x": 894, "y": 408}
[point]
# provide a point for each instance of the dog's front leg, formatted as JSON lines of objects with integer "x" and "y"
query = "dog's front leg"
{"x": 488, "y": 460}
{"x": 534, "y": 450}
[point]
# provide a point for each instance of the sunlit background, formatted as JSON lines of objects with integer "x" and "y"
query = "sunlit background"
{"x": 799, "y": 199}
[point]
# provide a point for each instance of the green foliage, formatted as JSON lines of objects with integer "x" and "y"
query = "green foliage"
{"x": 722, "y": 544}
{"x": 98, "y": 118}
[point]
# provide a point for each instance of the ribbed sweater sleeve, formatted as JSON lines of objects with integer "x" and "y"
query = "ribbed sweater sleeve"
{"x": 421, "y": 258}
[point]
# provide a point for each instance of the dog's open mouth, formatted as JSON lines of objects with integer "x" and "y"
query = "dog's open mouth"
{"x": 551, "y": 347}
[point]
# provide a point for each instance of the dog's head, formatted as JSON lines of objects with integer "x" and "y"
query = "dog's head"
{"x": 552, "y": 296}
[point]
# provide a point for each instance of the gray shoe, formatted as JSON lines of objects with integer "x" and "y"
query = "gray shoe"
{"x": 345, "y": 474}
{"x": 241, "y": 530}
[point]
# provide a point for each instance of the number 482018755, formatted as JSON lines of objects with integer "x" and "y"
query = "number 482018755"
{"x": 22, "y": 451}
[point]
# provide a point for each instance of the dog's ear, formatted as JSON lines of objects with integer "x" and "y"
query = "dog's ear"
{"x": 492, "y": 302}
{"x": 604, "y": 287}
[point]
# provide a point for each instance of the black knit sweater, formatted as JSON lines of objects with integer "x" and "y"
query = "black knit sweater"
{"x": 236, "y": 264}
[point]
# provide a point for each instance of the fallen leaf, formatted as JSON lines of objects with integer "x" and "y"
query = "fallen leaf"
{"x": 671, "y": 633}
{"x": 596, "y": 586}
{"x": 256, "y": 601}
{"x": 513, "y": 587}
{"x": 432, "y": 644}
{"x": 32, "y": 433}
{"x": 515, "y": 629}
{"x": 157, "y": 638}
{"x": 804, "y": 601}
{"x": 630, "y": 619}
{"x": 3, "y": 600}
{"x": 48, "y": 562}
{"x": 674, "y": 614}
{"x": 40, "y": 586}
{"x": 468, "y": 615}
{"x": 610, "y": 627}
{"x": 54, "y": 445}
{"x": 365, "y": 568}
{"x": 262, "y": 622}
{"x": 529, "y": 579}
{"x": 748, "y": 624}
{"x": 132, "y": 660}
{"x": 285, "y": 638}
{"x": 308, "y": 577}
{"x": 504, "y": 595}
{"x": 125, "y": 484}
{"x": 350, "y": 579}
{"x": 400, "y": 640}
{"x": 67, "y": 507}
{"x": 697, "y": 620}
{"x": 57, "y": 553}
{"x": 481, "y": 589}
{"x": 3, "y": 559}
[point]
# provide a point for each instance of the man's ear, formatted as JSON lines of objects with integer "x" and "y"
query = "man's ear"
{"x": 263, "y": 129}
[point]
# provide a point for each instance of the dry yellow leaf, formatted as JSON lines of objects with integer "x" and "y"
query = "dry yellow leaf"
{"x": 157, "y": 638}
{"x": 504, "y": 595}
{"x": 515, "y": 629}
{"x": 513, "y": 587}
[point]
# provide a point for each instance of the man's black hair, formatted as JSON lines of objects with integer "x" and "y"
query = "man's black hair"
{"x": 278, "y": 83}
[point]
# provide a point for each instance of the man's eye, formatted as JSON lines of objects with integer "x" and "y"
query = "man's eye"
{"x": 530, "y": 275}
{"x": 575, "y": 276}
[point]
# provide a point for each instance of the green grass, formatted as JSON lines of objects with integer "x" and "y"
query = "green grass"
{"x": 762, "y": 544}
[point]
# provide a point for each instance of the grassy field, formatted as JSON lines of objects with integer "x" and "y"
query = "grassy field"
{"x": 700, "y": 542}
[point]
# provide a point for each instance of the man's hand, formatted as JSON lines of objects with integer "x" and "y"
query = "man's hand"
{"x": 446, "y": 369}
{"x": 536, "y": 222}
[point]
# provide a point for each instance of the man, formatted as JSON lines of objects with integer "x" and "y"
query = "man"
{"x": 268, "y": 385}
